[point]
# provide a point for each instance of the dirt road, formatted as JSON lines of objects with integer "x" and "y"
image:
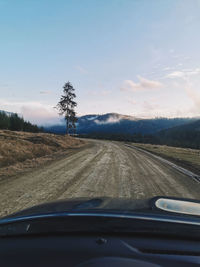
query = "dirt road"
{"x": 100, "y": 169}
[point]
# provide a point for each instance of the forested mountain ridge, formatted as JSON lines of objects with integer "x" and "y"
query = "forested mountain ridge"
{"x": 114, "y": 123}
{"x": 187, "y": 135}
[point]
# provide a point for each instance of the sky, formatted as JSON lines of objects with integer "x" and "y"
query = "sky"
{"x": 134, "y": 57}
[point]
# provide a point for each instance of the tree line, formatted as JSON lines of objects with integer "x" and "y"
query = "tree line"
{"x": 135, "y": 137}
{"x": 14, "y": 122}
{"x": 172, "y": 137}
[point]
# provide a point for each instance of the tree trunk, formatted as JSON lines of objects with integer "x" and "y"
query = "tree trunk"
{"x": 67, "y": 126}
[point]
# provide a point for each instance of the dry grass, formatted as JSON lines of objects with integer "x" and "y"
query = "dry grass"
{"x": 20, "y": 148}
{"x": 186, "y": 157}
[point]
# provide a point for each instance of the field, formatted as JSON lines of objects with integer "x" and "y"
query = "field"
{"x": 185, "y": 157}
{"x": 20, "y": 150}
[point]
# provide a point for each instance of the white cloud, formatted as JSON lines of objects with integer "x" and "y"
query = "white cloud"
{"x": 184, "y": 73}
{"x": 176, "y": 74}
{"x": 142, "y": 85}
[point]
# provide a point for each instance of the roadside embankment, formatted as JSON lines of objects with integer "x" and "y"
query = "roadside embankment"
{"x": 22, "y": 150}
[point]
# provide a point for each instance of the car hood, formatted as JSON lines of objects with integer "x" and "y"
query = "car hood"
{"x": 87, "y": 204}
{"x": 159, "y": 215}
{"x": 157, "y": 205}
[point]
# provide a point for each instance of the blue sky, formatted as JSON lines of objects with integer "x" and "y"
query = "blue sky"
{"x": 132, "y": 57}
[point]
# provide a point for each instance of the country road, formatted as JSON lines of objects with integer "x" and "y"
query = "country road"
{"x": 99, "y": 169}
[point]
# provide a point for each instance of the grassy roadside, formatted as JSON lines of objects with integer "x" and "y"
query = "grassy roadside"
{"x": 22, "y": 150}
{"x": 184, "y": 157}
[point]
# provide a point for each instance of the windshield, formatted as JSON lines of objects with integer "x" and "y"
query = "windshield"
{"x": 99, "y": 99}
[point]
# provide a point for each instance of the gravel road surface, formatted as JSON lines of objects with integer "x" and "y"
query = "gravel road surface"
{"x": 100, "y": 169}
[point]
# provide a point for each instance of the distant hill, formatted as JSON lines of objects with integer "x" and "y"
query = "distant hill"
{"x": 187, "y": 135}
{"x": 114, "y": 123}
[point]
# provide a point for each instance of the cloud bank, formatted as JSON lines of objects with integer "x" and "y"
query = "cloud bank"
{"x": 111, "y": 119}
{"x": 142, "y": 85}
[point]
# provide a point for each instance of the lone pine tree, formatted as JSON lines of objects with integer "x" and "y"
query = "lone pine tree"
{"x": 66, "y": 107}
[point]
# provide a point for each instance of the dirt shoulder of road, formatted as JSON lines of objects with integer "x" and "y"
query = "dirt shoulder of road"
{"x": 184, "y": 157}
{"x": 20, "y": 152}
